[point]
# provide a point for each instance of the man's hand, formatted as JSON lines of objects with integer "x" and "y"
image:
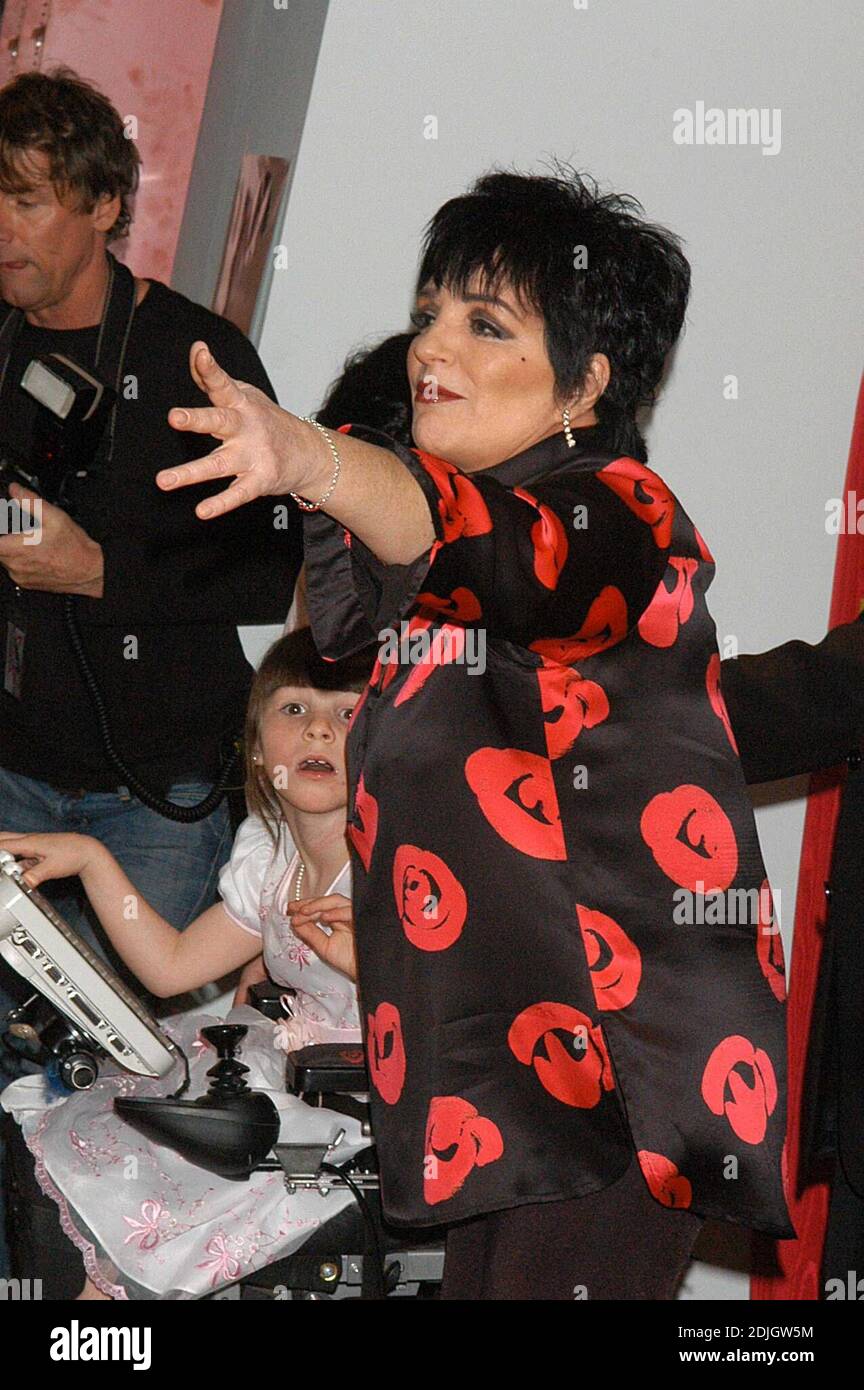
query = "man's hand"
{"x": 55, "y": 555}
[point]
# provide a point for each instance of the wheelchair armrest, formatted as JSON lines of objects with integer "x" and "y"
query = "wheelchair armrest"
{"x": 327, "y": 1069}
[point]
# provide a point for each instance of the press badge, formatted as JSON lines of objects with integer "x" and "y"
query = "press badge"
{"x": 13, "y": 674}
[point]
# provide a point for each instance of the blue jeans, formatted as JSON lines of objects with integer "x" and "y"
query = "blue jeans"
{"x": 174, "y": 866}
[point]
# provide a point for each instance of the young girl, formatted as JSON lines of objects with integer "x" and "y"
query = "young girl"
{"x": 148, "y": 1223}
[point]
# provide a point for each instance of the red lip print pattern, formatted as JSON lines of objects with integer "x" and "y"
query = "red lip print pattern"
{"x": 747, "y": 1104}
{"x": 669, "y": 610}
{"x": 613, "y": 959}
{"x": 691, "y": 838}
{"x": 458, "y": 1139}
{"x": 605, "y": 625}
{"x": 569, "y": 704}
{"x": 644, "y": 493}
{"x": 549, "y": 540}
{"x": 664, "y": 1181}
{"x": 769, "y": 945}
{"x": 363, "y": 836}
{"x": 461, "y": 506}
{"x": 715, "y": 695}
{"x": 386, "y": 1052}
{"x": 462, "y": 605}
{"x": 390, "y": 666}
{"x": 516, "y": 793}
{"x": 447, "y": 645}
{"x": 576, "y": 1071}
{"x": 430, "y": 899}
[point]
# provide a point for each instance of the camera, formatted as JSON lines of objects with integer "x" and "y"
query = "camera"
{"x": 73, "y": 408}
{"x": 37, "y": 1033}
{"x": 15, "y": 468}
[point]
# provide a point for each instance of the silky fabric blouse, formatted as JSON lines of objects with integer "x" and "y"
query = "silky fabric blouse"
{"x": 540, "y": 766}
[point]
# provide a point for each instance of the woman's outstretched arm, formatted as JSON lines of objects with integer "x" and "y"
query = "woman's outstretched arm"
{"x": 269, "y": 452}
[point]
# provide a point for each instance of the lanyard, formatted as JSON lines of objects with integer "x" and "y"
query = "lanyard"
{"x": 114, "y": 329}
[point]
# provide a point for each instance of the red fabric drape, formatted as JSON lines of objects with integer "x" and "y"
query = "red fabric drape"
{"x": 797, "y": 1262}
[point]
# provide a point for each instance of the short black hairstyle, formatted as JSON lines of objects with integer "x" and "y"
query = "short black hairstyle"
{"x": 628, "y": 301}
{"x": 373, "y": 390}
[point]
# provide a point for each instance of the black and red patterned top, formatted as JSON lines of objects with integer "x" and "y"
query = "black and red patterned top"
{"x": 565, "y": 936}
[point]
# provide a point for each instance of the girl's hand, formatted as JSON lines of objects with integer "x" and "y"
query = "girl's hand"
{"x": 333, "y": 910}
{"x": 50, "y": 856}
{"x": 264, "y": 447}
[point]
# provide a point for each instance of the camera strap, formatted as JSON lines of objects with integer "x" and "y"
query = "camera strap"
{"x": 114, "y": 328}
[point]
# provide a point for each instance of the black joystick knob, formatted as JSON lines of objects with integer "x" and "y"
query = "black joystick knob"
{"x": 228, "y": 1074}
{"x": 225, "y": 1037}
{"x": 228, "y": 1131}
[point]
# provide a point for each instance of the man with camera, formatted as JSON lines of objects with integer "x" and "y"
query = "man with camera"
{"x": 123, "y": 674}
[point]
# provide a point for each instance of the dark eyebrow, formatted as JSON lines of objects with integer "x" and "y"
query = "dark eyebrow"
{"x": 430, "y": 292}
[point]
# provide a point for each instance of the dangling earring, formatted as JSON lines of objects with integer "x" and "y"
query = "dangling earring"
{"x": 568, "y": 433}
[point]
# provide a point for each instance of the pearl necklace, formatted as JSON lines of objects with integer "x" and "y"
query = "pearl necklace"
{"x": 299, "y": 884}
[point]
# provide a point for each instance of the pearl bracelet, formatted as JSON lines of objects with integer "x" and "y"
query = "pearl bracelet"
{"x": 302, "y": 502}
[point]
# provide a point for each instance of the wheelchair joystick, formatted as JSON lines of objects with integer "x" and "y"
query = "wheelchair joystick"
{"x": 228, "y": 1074}
{"x": 229, "y": 1130}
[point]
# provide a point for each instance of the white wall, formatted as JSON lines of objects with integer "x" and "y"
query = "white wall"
{"x": 774, "y": 243}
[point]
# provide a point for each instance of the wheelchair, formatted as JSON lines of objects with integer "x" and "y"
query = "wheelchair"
{"x": 82, "y": 1012}
{"x": 352, "y": 1254}
{"x": 356, "y": 1253}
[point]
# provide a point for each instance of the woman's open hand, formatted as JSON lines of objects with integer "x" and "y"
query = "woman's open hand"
{"x": 264, "y": 448}
{"x": 333, "y": 910}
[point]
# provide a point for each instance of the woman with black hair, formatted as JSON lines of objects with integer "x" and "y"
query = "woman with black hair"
{"x": 576, "y": 1040}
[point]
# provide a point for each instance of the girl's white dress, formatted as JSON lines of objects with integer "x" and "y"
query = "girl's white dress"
{"x": 148, "y": 1223}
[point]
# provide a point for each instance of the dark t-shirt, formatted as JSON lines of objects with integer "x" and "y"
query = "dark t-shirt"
{"x": 162, "y": 641}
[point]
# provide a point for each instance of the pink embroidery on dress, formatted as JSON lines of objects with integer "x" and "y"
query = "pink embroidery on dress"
{"x": 300, "y": 954}
{"x": 92, "y": 1153}
{"x": 224, "y": 1264}
{"x": 86, "y": 1247}
{"x": 147, "y": 1233}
